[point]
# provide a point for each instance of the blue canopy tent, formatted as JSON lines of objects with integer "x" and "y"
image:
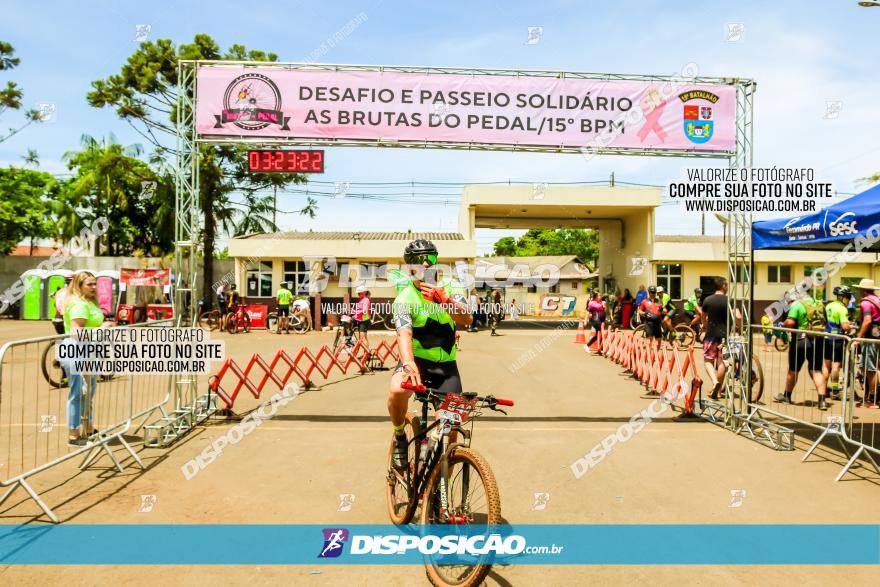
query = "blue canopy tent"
{"x": 828, "y": 229}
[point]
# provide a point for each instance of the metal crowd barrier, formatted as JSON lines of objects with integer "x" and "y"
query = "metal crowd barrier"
{"x": 835, "y": 358}
{"x": 862, "y": 422}
{"x": 34, "y": 393}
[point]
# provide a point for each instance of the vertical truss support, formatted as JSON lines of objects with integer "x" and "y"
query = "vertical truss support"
{"x": 189, "y": 408}
{"x": 739, "y": 261}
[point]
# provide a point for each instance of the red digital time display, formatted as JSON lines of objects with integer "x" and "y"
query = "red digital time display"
{"x": 286, "y": 161}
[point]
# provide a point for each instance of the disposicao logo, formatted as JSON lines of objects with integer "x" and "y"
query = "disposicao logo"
{"x": 334, "y": 540}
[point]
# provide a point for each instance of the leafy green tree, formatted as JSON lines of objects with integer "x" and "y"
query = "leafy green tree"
{"x": 544, "y": 241}
{"x": 11, "y": 95}
{"x": 505, "y": 247}
{"x": 24, "y": 206}
{"x": 144, "y": 94}
{"x": 111, "y": 182}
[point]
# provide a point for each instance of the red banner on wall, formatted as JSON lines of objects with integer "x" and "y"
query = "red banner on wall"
{"x": 145, "y": 276}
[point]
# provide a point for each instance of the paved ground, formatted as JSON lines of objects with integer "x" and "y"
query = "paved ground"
{"x": 333, "y": 440}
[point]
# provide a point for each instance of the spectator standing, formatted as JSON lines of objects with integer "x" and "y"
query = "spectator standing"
{"x": 808, "y": 315}
{"x": 869, "y": 328}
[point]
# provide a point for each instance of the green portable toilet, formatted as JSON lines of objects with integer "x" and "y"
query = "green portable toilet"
{"x": 57, "y": 279}
{"x": 32, "y": 302}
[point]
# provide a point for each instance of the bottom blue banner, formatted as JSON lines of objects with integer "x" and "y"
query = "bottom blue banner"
{"x": 692, "y": 544}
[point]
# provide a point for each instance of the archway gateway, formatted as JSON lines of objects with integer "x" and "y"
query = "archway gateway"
{"x": 308, "y": 105}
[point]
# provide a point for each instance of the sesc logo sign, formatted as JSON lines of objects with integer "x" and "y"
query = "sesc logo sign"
{"x": 844, "y": 225}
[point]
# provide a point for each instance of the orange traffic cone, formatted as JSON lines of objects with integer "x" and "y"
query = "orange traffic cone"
{"x": 580, "y": 337}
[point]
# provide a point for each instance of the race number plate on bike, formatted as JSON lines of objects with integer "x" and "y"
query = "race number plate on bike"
{"x": 456, "y": 408}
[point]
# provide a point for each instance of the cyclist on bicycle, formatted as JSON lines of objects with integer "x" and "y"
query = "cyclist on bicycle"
{"x": 651, "y": 312}
{"x": 692, "y": 307}
{"x": 425, "y": 336}
{"x": 668, "y": 308}
{"x": 283, "y": 297}
{"x": 362, "y": 313}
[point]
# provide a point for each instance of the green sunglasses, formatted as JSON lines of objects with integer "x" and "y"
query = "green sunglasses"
{"x": 419, "y": 259}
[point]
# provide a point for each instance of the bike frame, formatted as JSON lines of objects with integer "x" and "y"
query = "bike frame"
{"x": 438, "y": 455}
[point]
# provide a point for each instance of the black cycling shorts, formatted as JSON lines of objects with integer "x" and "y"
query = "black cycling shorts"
{"x": 652, "y": 328}
{"x": 443, "y": 377}
{"x": 833, "y": 349}
{"x": 690, "y": 314}
{"x": 805, "y": 349}
{"x": 363, "y": 325}
{"x": 283, "y": 310}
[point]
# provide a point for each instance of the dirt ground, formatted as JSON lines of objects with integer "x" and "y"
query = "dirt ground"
{"x": 333, "y": 440}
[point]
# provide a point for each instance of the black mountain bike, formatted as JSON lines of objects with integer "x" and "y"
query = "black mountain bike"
{"x": 452, "y": 481}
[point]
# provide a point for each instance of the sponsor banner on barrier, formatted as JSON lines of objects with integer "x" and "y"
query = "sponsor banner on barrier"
{"x": 387, "y": 544}
{"x": 456, "y": 108}
{"x": 145, "y": 277}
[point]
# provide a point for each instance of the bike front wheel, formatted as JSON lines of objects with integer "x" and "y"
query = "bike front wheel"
{"x": 472, "y": 498}
{"x": 401, "y": 505}
{"x": 685, "y": 335}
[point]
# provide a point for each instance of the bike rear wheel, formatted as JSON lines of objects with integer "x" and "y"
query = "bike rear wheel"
{"x": 781, "y": 345}
{"x": 400, "y": 507}
{"x": 232, "y": 324}
{"x": 641, "y": 330}
{"x": 52, "y": 371}
{"x": 473, "y": 494}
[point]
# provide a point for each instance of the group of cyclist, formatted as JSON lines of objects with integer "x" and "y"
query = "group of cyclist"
{"x": 229, "y": 301}
{"x": 820, "y": 344}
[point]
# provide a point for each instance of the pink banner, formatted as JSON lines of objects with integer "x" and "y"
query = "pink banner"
{"x": 452, "y": 108}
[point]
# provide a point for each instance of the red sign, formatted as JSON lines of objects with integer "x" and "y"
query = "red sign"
{"x": 257, "y": 315}
{"x": 145, "y": 276}
{"x": 690, "y": 112}
{"x": 159, "y": 311}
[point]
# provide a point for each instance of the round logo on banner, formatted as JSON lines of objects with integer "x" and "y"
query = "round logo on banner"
{"x": 252, "y": 102}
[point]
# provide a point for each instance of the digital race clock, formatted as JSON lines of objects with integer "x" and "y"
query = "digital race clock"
{"x": 286, "y": 161}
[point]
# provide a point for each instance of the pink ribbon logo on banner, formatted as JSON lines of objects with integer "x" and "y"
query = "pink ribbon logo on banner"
{"x": 652, "y": 106}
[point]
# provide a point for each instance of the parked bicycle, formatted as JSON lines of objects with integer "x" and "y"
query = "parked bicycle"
{"x": 452, "y": 481}
{"x": 736, "y": 345}
{"x": 238, "y": 320}
{"x": 345, "y": 335}
{"x": 298, "y": 323}
{"x": 208, "y": 319}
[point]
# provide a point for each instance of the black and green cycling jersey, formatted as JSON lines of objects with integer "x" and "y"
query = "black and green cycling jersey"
{"x": 433, "y": 328}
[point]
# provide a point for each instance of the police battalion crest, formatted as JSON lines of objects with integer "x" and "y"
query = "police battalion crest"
{"x": 252, "y": 102}
{"x": 697, "y": 116}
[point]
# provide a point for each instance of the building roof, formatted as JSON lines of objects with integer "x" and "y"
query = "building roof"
{"x": 38, "y": 251}
{"x": 355, "y": 236}
{"x": 570, "y": 267}
{"x": 689, "y": 238}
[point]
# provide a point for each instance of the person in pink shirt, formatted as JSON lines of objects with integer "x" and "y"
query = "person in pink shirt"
{"x": 362, "y": 313}
{"x": 596, "y": 310}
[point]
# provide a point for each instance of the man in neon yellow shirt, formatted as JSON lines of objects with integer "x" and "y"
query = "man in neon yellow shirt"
{"x": 283, "y": 297}
{"x": 426, "y": 315}
{"x": 837, "y": 315}
{"x": 808, "y": 315}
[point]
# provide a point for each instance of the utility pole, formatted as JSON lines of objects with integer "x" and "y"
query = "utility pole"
{"x": 275, "y": 206}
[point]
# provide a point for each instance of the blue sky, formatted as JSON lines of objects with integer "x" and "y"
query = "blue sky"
{"x": 802, "y": 54}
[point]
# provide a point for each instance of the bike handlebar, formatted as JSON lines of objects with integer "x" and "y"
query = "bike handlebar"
{"x": 423, "y": 390}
